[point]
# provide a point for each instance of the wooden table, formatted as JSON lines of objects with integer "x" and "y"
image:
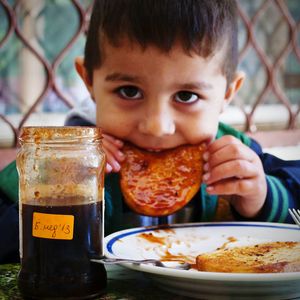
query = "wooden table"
{"x": 122, "y": 284}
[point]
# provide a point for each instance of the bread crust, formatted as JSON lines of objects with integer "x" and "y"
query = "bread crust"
{"x": 273, "y": 257}
{"x": 160, "y": 183}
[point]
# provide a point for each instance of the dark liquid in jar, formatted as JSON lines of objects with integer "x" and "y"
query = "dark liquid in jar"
{"x": 53, "y": 268}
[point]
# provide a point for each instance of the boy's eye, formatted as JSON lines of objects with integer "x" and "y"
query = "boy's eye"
{"x": 129, "y": 92}
{"x": 186, "y": 97}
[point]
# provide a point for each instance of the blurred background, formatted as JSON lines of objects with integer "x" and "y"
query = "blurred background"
{"x": 39, "y": 40}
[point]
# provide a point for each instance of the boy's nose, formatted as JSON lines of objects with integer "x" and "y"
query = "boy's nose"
{"x": 157, "y": 123}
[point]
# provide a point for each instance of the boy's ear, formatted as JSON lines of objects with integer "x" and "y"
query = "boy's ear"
{"x": 234, "y": 87}
{"x": 81, "y": 70}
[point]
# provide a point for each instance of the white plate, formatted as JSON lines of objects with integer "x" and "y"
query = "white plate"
{"x": 189, "y": 240}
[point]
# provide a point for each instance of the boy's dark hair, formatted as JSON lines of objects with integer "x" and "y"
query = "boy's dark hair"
{"x": 202, "y": 26}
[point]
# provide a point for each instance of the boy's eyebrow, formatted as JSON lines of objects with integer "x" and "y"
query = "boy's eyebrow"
{"x": 201, "y": 85}
{"x": 121, "y": 77}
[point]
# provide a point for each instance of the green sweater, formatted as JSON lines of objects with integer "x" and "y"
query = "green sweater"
{"x": 202, "y": 207}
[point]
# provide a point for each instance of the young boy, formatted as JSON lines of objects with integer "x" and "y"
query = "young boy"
{"x": 160, "y": 73}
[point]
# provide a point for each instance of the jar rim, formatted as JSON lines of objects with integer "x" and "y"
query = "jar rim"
{"x": 62, "y": 134}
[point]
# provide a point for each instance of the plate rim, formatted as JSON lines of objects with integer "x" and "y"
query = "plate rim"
{"x": 110, "y": 239}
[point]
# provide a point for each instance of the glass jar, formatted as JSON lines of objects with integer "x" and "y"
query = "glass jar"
{"x": 61, "y": 186}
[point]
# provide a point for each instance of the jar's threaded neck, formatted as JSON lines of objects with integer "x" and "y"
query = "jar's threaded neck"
{"x": 63, "y": 134}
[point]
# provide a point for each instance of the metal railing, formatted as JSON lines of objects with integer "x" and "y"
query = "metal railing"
{"x": 264, "y": 24}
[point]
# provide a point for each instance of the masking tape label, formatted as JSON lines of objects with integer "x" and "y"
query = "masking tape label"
{"x": 50, "y": 226}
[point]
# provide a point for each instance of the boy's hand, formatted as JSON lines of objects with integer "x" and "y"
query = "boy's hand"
{"x": 114, "y": 156}
{"x": 234, "y": 170}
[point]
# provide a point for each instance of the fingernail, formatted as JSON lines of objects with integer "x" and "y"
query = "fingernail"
{"x": 209, "y": 188}
{"x": 205, "y": 156}
{"x": 121, "y": 155}
{"x": 119, "y": 143}
{"x": 206, "y": 167}
{"x": 116, "y": 166}
{"x": 206, "y": 176}
{"x": 108, "y": 168}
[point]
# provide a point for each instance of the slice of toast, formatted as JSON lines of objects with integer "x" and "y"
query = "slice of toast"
{"x": 273, "y": 257}
{"x": 160, "y": 183}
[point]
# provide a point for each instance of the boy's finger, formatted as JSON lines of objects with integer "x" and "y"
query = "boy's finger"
{"x": 113, "y": 140}
{"x": 229, "y": 153}
{"x": 223, "y": 142}
{"x": 236, "y": 186}
{"x": 112, "y": 162}
{"x": 108, "y": 168}
{"x": 232, "y": 169}
{"x": 112, "y": 150}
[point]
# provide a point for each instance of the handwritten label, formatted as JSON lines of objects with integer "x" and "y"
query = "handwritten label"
{"x": 50, "y": 226}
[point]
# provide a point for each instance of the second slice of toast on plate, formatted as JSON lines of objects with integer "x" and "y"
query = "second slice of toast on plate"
{"x": 272, "y": 257}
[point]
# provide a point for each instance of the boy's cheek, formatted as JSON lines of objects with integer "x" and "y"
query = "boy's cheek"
{"x": 205, "y": 132}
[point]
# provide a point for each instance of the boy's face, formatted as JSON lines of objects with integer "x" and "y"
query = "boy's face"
{"x": 158, "y": 100}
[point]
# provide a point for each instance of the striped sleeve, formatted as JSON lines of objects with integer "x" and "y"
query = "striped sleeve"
{"x": 278, "y": 200}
